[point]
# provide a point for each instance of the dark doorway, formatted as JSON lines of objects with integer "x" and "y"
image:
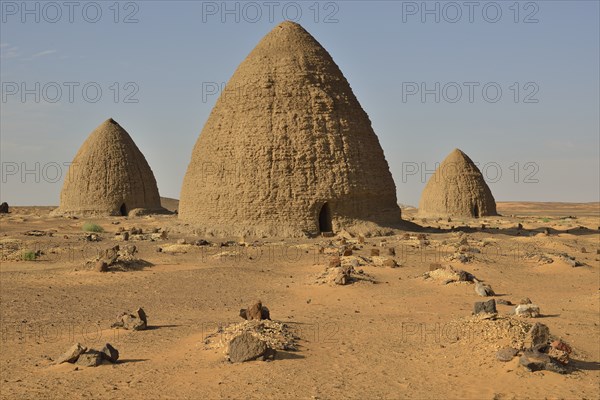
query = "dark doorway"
{"x": 476, "y": 211}
{"x": 123, "y": 210}
{"x": 325, "y": 219}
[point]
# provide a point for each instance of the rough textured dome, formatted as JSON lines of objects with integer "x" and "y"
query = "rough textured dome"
{"x": 457, "y": 188}
{"x": 287, "y": 148}
{"x": 109, "y": 176}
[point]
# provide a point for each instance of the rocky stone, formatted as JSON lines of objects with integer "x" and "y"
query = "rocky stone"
{"x": 35, "y": 232}
{"x": 132, "y": 322}
{"x": 570, "y": 260}
{"x": 504, "y": 302}
{"x": 361, "y": 239}
{"x": 181, "y": 241}
{"x": 72, "y": 354}
{"x": 534, "y": 360}
{"x": 527, "y": 310}
{"x": 482, "y": 289}
{"x": 4, "y": 208}
{"x": 347, "y": 252}
{"x": 448, "y": 274}
{"x": 92, "y": 237}
{"x": 125, "y": 236}
{"x": 269, "y": 355}
{"x": 538, "y": 335}
{"x": 374, "y": 252}
{"x": 109, "y": 353}
{"x": 391, "y": 263}
{"x": 560, "y": 351}
{"x": 463, "y": 258}
{"x": 255, "y": 311}
{"x": 100, "y": 266}
{"x": 246, "y": 347}
{"x": 141, "y": 314}
{"x": 391, "y": 251}
{"x": 111, "y": 255}
{"x": 562, "y": 346}
{"x": 91, "y": 358}
{"x": 561, "y": 357}
{"x": 506, "y": 354}
{"x": 335, "y": 262}
{"x": 265, "y": 313}
{"x": 525, "y": 300}
{"x": 128, "y": 251}
{"x": 485, "y": 307}
{"x": 341, "y": 278}
{"x": 434, "y": 266}
{"x": 159, "y": 235}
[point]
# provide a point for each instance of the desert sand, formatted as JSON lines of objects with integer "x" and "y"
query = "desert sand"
{"x": 390, "y": 335}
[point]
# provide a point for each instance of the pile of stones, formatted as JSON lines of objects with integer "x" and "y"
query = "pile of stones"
{"x": 133, "y": 322}
{"x": 83, "y": 356}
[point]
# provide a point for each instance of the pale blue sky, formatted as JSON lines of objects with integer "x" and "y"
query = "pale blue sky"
{"x": 176, "y": 48}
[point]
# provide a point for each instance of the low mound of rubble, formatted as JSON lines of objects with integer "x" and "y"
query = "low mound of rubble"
{"x": 83, "y": 356}
{"x": 337, "y": 273}
{"x": 447, "y": 274}
{"x": 10, "y": 249}
{"x": 133, "y": 322}
{"x": 509, "y": 337}
{"x": 175, "y": 248}
{"x": 138, "y": 234}
{"x": 277, "y": 335}
{"x": 252, "y": 340}
{"x": 117, "y": 258}
{"x": 256, "y": 338}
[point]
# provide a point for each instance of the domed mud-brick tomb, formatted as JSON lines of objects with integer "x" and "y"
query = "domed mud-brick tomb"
{"x": 457, "y": 188}
{"x": 287, "y": 150}
{"x": 109, "y": 176}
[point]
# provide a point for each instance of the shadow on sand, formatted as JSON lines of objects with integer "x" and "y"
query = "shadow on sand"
{"x": 584, "y": 365}
{"x": 287, "y": 355}
{"x": 131, "y": 360}
{"x": 155, "y": 327}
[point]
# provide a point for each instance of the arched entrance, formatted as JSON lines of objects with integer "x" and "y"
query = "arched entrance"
{"x": 325, "y": 224}
{"x": 123, "y": 210}
{"x": 476, "y": 211}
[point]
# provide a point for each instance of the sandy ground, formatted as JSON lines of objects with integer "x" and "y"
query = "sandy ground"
{"x": 401, "y": 337}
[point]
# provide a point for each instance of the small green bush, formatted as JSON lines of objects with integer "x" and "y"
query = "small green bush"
{"x": 29, "y": 256}
{"x": 546, "y": 220}
{"x": 90, "y": 227}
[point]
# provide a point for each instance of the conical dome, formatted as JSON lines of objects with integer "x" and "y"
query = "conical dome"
{"x": 108, "y": 176}
{"x": 457, "y": 188}
{"x": 287, "y": 149}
